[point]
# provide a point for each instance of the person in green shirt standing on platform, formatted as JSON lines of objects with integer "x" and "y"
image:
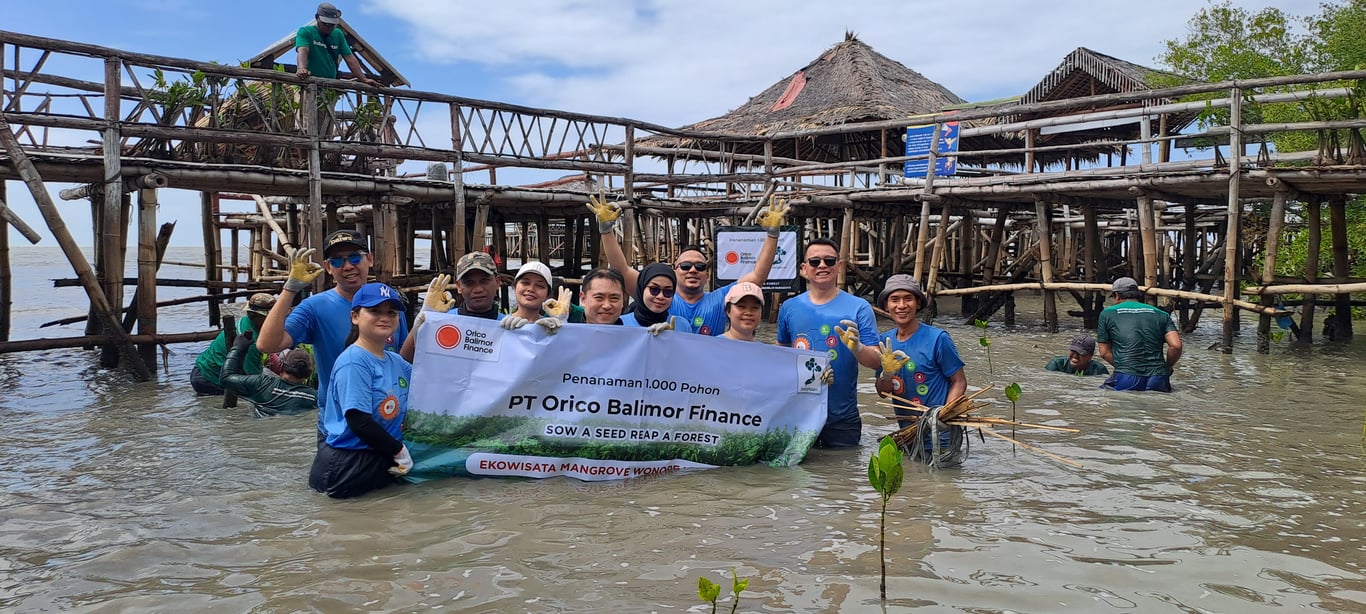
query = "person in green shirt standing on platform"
{"x": 1078, "y": 358}
{"x": 322, "y": 44}
{"x": 1130, "y": 336}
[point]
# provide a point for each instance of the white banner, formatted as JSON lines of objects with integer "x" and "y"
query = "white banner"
{"x": 737, "y": 252}
{"x": 604, "y": 402}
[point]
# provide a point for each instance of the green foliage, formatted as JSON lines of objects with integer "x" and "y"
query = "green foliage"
{"x": 1013, "y": 392}
{"x": 1226, "y": 42}
{"x": 179, "y": 94}
{"x": 884, "y": 474}
{"x": 985, "y": 342}
{"x": 710, "y": 591}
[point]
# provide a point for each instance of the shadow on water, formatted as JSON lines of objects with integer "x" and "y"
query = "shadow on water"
{"x": 1242, "y": 491}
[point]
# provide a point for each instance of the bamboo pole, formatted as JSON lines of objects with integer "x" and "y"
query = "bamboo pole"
{"x": 113, "y": 328}
{"x": 148, "y": 259}
{"x": 6, "y": 274}
{"x": 57, "y": 343}
{"x": 308, "y": 108}
{"x": 940, "y": 234}
{"x": 269, "y": 216}
{"x": 1314, "y": 289}
{"x": 1273, "y": 237}
{"x": 1106, "y": 288}
{"x": 213, "y": 254}
{"x": 113, "y": 237}
{"x": 10, "y": 218}
{"x": 1235, "y": 207}
{"x": 1045, "y": 233}
{"x": 1342, "y": 309}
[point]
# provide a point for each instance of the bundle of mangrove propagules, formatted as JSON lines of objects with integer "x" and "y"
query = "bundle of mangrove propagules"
{"x": 957, "y": 416}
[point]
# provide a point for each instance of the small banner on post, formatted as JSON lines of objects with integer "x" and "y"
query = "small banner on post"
{"x": 918, "y": 144}
{"x": 604, "y": 402}
{"x": 737, "y": 252}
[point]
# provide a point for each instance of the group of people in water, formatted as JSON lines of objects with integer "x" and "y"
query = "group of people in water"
{"x": 363, "y": 348}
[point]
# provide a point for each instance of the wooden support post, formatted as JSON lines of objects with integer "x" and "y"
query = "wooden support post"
{"x": 1189, "y": 264}
{"x": 940, "y": 238}
{"x": 147, "y": 273}
{"x": 1314, "y": 213}
{"x": 543, "y": 242}
{"x": 628, "y": 225}
{"x": 460, "y": 245}
{"x": 230, "y": 339}
{"x": 1094, "y": 268}
{"x": 385, "y": 242}
{"x": 481, "y": 223}
{"x": 114, "y": 237}
{"x": 1045, "y": 232}
{"x": 846, "y": 247}
{"x": 57, "y": 225}
{"x": 313, "y": 218}
{"x": 213, "y": 251}
{"x": 1235, "y": 210}
{"x": 1341, "y": 327}
{"x": 6, "y": 274}
{"x": 1273, "y": 238}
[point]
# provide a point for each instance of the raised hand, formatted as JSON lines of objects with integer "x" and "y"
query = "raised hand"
{"x": 607, "y": 213}
{"x": 892, "y": 361}
{"x": 558, "y": 307}
{"x": 437, "y": 298}
{"x": 771, "y": 217}
{"x": 512, "y": 322}
{"x": 848, "y": 332}
{"x": 302, "y": 270}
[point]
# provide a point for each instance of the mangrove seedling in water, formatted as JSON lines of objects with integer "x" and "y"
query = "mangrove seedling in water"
{"x": 985, "y": 342}
{"x": 1012, "y": 393}
{"x": 884, "y": 474}
{"x": 709, "y": 591}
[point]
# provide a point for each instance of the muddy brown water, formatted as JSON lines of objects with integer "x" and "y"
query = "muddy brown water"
{"x": 1241, "y": 492}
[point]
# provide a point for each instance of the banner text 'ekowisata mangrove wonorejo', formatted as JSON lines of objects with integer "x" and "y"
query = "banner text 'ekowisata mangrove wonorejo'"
{"x": 604, "y": 402}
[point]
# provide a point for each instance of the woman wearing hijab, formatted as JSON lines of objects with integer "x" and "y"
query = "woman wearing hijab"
{"x": 654, "y": 294}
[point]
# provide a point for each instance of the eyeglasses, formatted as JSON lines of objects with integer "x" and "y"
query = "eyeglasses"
{"x": 688, "y": 266}
{"x": 656, "y": 291}
{"x": 829, "y": 261}
{"x": 354, "y": 259}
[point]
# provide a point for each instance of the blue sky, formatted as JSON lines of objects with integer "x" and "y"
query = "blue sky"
{"x": 670, "y": 62}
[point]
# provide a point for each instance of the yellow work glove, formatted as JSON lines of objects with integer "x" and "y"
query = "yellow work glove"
{"x": 607, "y": 213}
{"x": 302, "y": 270}
{"x": 771, "y": 217}
{"x": 892, "y": 361}
{"x": 655, "y": 329}
{"x": 558, "y": 307}
{"x": 848, "y": 332}
{"x": 828, "y": 376}
{"x": 437, "y": 298}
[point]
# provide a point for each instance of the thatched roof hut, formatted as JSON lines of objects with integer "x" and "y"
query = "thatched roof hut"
{"x": 849, "y": 83}
{"x": 1084, "y": 72}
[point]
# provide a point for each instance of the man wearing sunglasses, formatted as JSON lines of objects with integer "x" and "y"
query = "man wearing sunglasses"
{"x": 704, "y": 311}
{"x": 323, "y": 319}
{"x": 827, "y": 319}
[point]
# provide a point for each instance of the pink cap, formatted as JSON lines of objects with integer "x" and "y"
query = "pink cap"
{"x": 741, "y": 290}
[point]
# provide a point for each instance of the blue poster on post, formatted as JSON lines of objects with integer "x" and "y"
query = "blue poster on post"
{"x": 918, "y": 144}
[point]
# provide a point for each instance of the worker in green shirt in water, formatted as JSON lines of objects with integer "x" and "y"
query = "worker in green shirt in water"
{"x": 1130, "y": 335}
{"x": 1078, "y": 359}
{"x": 270, "y": 395}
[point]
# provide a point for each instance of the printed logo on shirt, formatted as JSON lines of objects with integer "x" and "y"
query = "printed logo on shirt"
{"x": 898, "y": 384}
{"x": 801, "y": 342}
{"x": 388, "y": 408}
{"x": 697, "y": 321}
{"x": 825, "y": 329}
{"x": 402, "y": 382}
{"x": 704, "y": 329}
{"x": 833, "y": 354}
{"x": 922, "y": 389}
{"x": 832, "y": 341}
{"x": 919, "y": 378}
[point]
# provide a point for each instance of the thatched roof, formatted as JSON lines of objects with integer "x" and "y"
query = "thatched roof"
{"x": 376, "y": 67}
{"x": 849, "y": 83}
{"x": 1089, "y": 73}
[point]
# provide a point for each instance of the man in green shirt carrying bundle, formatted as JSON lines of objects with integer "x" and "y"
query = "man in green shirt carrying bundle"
{"x": 1130, "y": 336}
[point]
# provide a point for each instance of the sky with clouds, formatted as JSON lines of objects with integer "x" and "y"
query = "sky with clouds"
{"x": 668, "y": 62}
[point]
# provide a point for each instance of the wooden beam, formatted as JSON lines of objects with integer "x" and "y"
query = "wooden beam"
{"x": 113, "y": 328}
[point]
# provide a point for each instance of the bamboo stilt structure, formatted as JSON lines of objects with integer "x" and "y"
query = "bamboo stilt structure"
{"x": 6, "y": 274}
{"x": 1314, "y": 214}
{"x": 1341, "y": 327}
{"x": 213, "y": 253}
{"x": 150, "y": 253}
{"x": 34, "y": 181}
{"x": 1235, "y": 213}
{"x": 1045, "y": 233}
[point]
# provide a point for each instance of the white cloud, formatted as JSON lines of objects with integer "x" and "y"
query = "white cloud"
{"x": 679, "y": 62}
{"x": 674, "y": 63}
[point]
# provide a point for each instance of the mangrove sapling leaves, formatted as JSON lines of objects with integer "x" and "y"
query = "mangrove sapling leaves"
{"x": 985, "y": 342}
{"x": 885, "y": 473}
{"x": 737, "y": 585}
{"x": 1013, "y": 392}
{"x": 708, "y": 591}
